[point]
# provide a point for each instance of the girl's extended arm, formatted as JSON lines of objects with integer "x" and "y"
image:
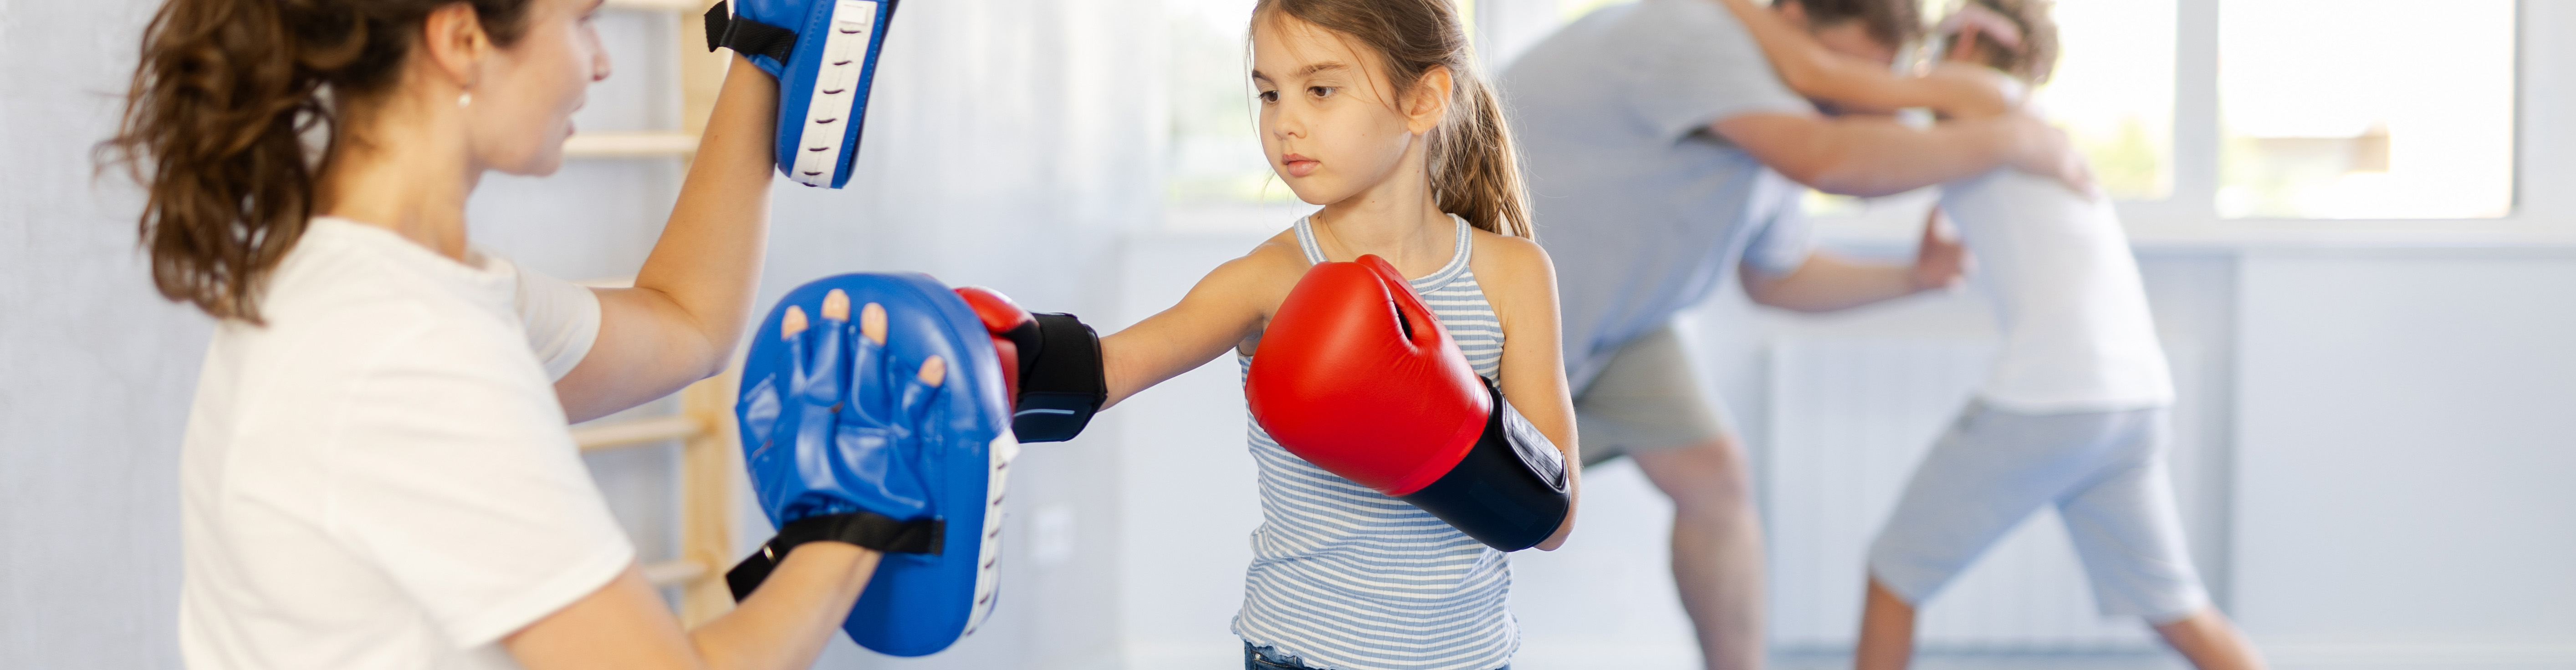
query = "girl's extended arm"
{"x": 1810, "y": 69}
{"x": 1219, "y": 313}
{"x": 1520, "y": 282}
{"x": 680, "y": 322}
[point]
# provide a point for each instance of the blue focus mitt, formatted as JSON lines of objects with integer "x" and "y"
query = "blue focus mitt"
{"x": 824, "y": 54}
{"x": 846, "y": 442}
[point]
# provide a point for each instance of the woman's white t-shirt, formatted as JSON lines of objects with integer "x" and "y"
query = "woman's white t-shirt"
{"x": 381, "y": 477}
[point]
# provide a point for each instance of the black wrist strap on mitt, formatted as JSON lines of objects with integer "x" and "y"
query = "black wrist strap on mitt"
{"x": 1061, "y": 380}
{"x": 747, "y": 37}
{"x": 866, "y": 529}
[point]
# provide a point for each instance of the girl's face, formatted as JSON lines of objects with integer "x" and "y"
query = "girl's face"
{"x": 1332, "y": 124}
{"x": 525, "y": 95}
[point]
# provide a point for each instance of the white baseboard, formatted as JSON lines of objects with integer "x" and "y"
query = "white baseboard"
{"x": 2312, "y": 654}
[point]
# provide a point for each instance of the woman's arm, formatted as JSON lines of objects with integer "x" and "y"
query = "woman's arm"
{"x": 1520, "y": 282}
{"x": 1222, "y": 311}
{"x": 782, "y": 626}
{"x": 681, "y": 321}
{"x": 1812, "y": 70}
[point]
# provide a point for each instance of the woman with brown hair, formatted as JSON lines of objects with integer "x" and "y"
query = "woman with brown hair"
{"x": 377, "y": 470}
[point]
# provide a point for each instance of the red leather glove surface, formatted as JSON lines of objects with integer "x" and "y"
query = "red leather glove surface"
{"x": 1356, "y": 375}
{"x": 1000, "y": 316}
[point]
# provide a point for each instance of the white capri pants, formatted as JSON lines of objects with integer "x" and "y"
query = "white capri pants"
{"x": 2105, "y": 472}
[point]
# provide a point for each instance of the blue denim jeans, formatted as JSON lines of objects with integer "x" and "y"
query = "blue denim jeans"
{"x": 1266, "y": 658}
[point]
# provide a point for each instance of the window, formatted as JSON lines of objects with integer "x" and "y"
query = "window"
{"x": 2366, "y": 109}
{"x": 1216, "y": 157}
{"x": 2325, "y": 109}
{"x": 2113, "y": 90}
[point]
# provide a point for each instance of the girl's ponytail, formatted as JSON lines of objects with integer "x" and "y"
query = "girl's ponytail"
{"x": 1474, "y": 172}
{"x": 217, "y": 121}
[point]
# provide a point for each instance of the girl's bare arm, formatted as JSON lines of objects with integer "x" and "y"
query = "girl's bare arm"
{"x": 1520, "y": 282}
{"x": 1222, "y": 311}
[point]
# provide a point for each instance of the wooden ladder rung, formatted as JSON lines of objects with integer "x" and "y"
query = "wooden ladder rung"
{"x": 636, "y": 432}
{"x": 674, "y": 573}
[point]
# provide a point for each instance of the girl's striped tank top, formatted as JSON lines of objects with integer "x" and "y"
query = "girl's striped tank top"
{"x": 1344, "y": 577}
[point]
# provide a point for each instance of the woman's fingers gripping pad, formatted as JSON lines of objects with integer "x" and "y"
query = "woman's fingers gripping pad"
{"x": 919, "y": 430}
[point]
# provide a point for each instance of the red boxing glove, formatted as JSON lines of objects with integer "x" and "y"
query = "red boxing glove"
{"x": 1355, "y": 375}
{"x": 1051, "y": 366}
{"x": 1001, "y": 317}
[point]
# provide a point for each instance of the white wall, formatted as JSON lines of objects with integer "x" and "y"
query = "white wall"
{"x": 98, "y": 370}
{"x": 1186, "y": 505}
{"x": 2404, "y": 458}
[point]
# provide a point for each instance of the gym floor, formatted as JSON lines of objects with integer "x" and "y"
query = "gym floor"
{"x": 2158, "y": 660}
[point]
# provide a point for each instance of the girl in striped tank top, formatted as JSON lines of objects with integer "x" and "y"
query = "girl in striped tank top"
{"x": 1372, "y": 109}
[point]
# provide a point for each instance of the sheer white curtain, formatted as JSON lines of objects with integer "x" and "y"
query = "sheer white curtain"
{"x": 1009, "y": 142}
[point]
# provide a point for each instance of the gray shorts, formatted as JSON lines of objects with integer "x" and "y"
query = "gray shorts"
{"x": 1646, "y": 399}
{"x": 2105, "y": 472}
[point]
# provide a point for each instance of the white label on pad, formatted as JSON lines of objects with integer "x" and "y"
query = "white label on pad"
{"x": 988, "y": 572}
{"x": 829, "y": 110}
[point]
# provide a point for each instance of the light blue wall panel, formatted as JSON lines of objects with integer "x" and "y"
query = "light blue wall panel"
{"x": 2407, "y": 444}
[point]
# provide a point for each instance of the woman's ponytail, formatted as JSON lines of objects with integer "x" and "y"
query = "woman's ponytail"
{"x": 219, "y": 122}
{"x": 1474, "y": 172}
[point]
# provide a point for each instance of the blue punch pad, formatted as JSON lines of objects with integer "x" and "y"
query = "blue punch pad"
{"x": 916, "y": 604}
{"x": 824, "y": 53}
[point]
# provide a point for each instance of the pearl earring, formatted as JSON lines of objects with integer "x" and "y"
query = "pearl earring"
{"x": 464, "y": 100}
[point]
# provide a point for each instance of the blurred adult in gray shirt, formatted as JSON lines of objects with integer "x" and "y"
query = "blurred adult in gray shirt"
{"x": 1662, "y": 152}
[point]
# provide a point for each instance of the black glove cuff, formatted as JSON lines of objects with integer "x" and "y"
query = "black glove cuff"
{"x": 1532, "y": 446}
{"x": 1508, "y": 491}
{"x": 866, "y": 529}
{"x": 747, "y": 37}
{"x": 1061, "y": 380}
